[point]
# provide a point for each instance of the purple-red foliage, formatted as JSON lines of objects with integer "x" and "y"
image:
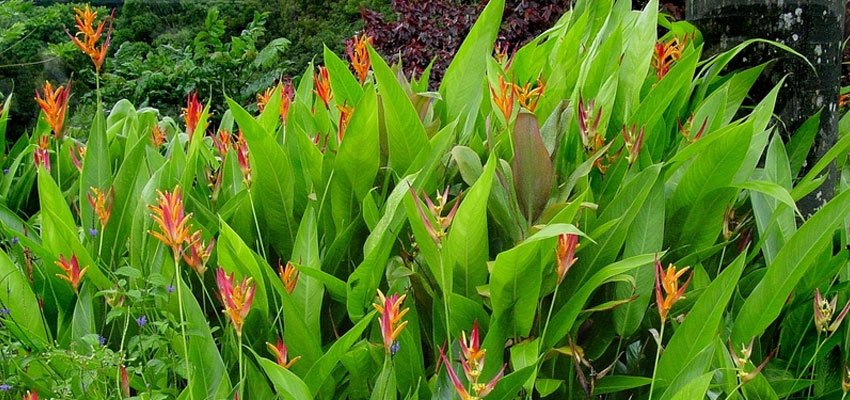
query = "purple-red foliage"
{"x": 426, "y": 30}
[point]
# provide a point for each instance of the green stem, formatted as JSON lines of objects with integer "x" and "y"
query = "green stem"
{"x": 257, "y": 224}
{"x": 657, "y": 355}
{"x": 543, "y": 334}
{"x": 241, "y": 368}
{"x": 809, "y": 363}
{"x": 179, "y": 284}
{"x": 735, "y": 391}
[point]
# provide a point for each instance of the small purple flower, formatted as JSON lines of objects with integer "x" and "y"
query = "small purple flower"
{"x": 93, "y": 232}
{"x": 142, "y": 321}
{"x": 5, "y": 387}
{"x": 395, "y": 347}
{"x": 14, "y": 240}
{"x": 101, "y": 340}
{"x": 5, "y": 171}
{"x": 169, "y": 288}
{"x": 4, "y": 312}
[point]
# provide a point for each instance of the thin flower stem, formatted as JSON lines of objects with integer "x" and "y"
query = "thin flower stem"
{"x": 809, "y": 363}
{"x": 735, "y": 391}
{"x": 241, "y": 372}
{"x": 179, "y": 284}
{"x": 657, "y": 355}
{"x": 256, "y": 223}
{"x": 543, "y": 334}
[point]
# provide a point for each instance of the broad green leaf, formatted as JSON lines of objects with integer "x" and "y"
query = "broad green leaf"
{"x": 562, "y": 322}
{"x": 308, "y": 291}
{"x": 235, "y": 256}
{"x": 405, "y": 134}
{"x": 24, "y": 320}
{"x": 462, "y": 84}
{"x": 359, "y": 154}
{"x": 619, "y": 383}
{"x": 695, "y": 389}
{"x": 97, "y": 168}
{"x": 287, "y": 385}
{"x": 467, "y": 247}
{"x": 768, "y": 298}
{"x": 346, "y": 89}
{"x": 322, "y": 369}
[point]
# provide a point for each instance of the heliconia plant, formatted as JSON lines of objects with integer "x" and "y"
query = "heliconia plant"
{"x": 501, "y": 237}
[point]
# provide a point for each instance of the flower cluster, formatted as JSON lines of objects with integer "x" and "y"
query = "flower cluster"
{"x": 192, "y": 114}
{"x": 391, "y": 315}
{"x": 288, "y": 275}
{"x": 90, "y": 35}
{"x": 54, "y": 105}
{"x": 322, "y": 86}
{"x": 41, "y": 154}
{"x": 237, "y": 297}
{"x": 472, "y": 360}
{"x": 665, "y": 54}
{"x": 824, "y": 311}
{"x": 344, "y": 117}
{"x": 565, "y": 253}
{"x": 78, "y": 155}
{"x": 633, "y": 139}
{"x": 741, "y": 360}
{"x": 281, "y": 354}
{"x": 72, "y": 272}
{"x": 358, "y": 53}
{"x": 101, "y": 203}
{"x": 669, "y": 281}
{"x": 436, "y": 224}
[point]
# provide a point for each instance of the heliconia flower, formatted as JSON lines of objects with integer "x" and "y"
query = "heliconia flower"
{"x": 344, "y": 118}
{"x": 172, "y": 222}
{"x": 322, "y": 86}
{"x": 845, "y": 379}
{"x": 78, "y": 154}
{"x": 504, "y": 98}
{"x": 287, "y": 95}
{"x": 241, "y": 148}
{"x": 741, "y": 361}
{"x": 73, "y": 273}
{"x": 588, "y": 125}
{"x": 54, "y": 104}
{"x": 84, "y": 20}
{"x": 566, "y": 251}
{"x": 31, "y": 395}
{"x": 263, "y": 98}
{"x": 288, "y": 275}
{"x": 528, "y": 96}
{"x": 669, "y": 281}
{"x": 125, "y": 381}
{"x": 685, "y": 129}
{"x": 41, "y": 154}
{"x": 440, "y": 229}
{"x": 665, "y": 54}
{"x": 480, "y": 390}
{"x": 633, "y": 139}
{"x": 391, "y": 315}
{"x": 157, "y": 136}
{"x": 500, "y": 53}
{"x": 823, "y": 312}
{"x": 473, "y": 355}
{"x": 358, "y": 54}
{"x": 198, "y": 253}
{"x": 222, "y": 142}
{"x": 101, "y": 203}
{"x": 281, "y": 354}
{"x": 843, "y": 100}
{"x": 237, "y": 297}
{"x": 192, "y": 113}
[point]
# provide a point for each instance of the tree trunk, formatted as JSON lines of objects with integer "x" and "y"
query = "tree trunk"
{"x": 814, "y": 28}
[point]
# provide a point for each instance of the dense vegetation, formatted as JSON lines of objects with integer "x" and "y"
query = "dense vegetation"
{"x": 602, "y": 213}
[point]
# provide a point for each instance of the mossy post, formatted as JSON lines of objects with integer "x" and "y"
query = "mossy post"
{"x": 811, "y": 27}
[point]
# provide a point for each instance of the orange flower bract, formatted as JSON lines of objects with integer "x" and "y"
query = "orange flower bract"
{"x": 172, "y": 222}
{"x": 391, "y": 315}
{"x": 237, "y": 297}
{"x": 54, "y": 104}
{"x": 72, "y": 272}
{"x": 85, "y": 20}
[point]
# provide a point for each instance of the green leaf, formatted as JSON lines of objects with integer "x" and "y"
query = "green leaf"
{"x": 235, "y": 256}
{"x": 562, "y": 322}
{"x": 345, "y": 87}
{"x": 695, "y": 389}
{"x": 308, "y": 291}
{"x": 406, "y": 135}
{"x": 768, "y": 298}
{"x": 321, "y": 370}
{"x": 462, "y": 84}
{"x": 619, "y": 383}
{"x": 97, "y": 170}
{"x": 467, "y": 247}
{"x": 287, "y": 385}
{"x": 359, "y": 153}
{"x": 516, "y": 279}
{"x": 24, "y": 320}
